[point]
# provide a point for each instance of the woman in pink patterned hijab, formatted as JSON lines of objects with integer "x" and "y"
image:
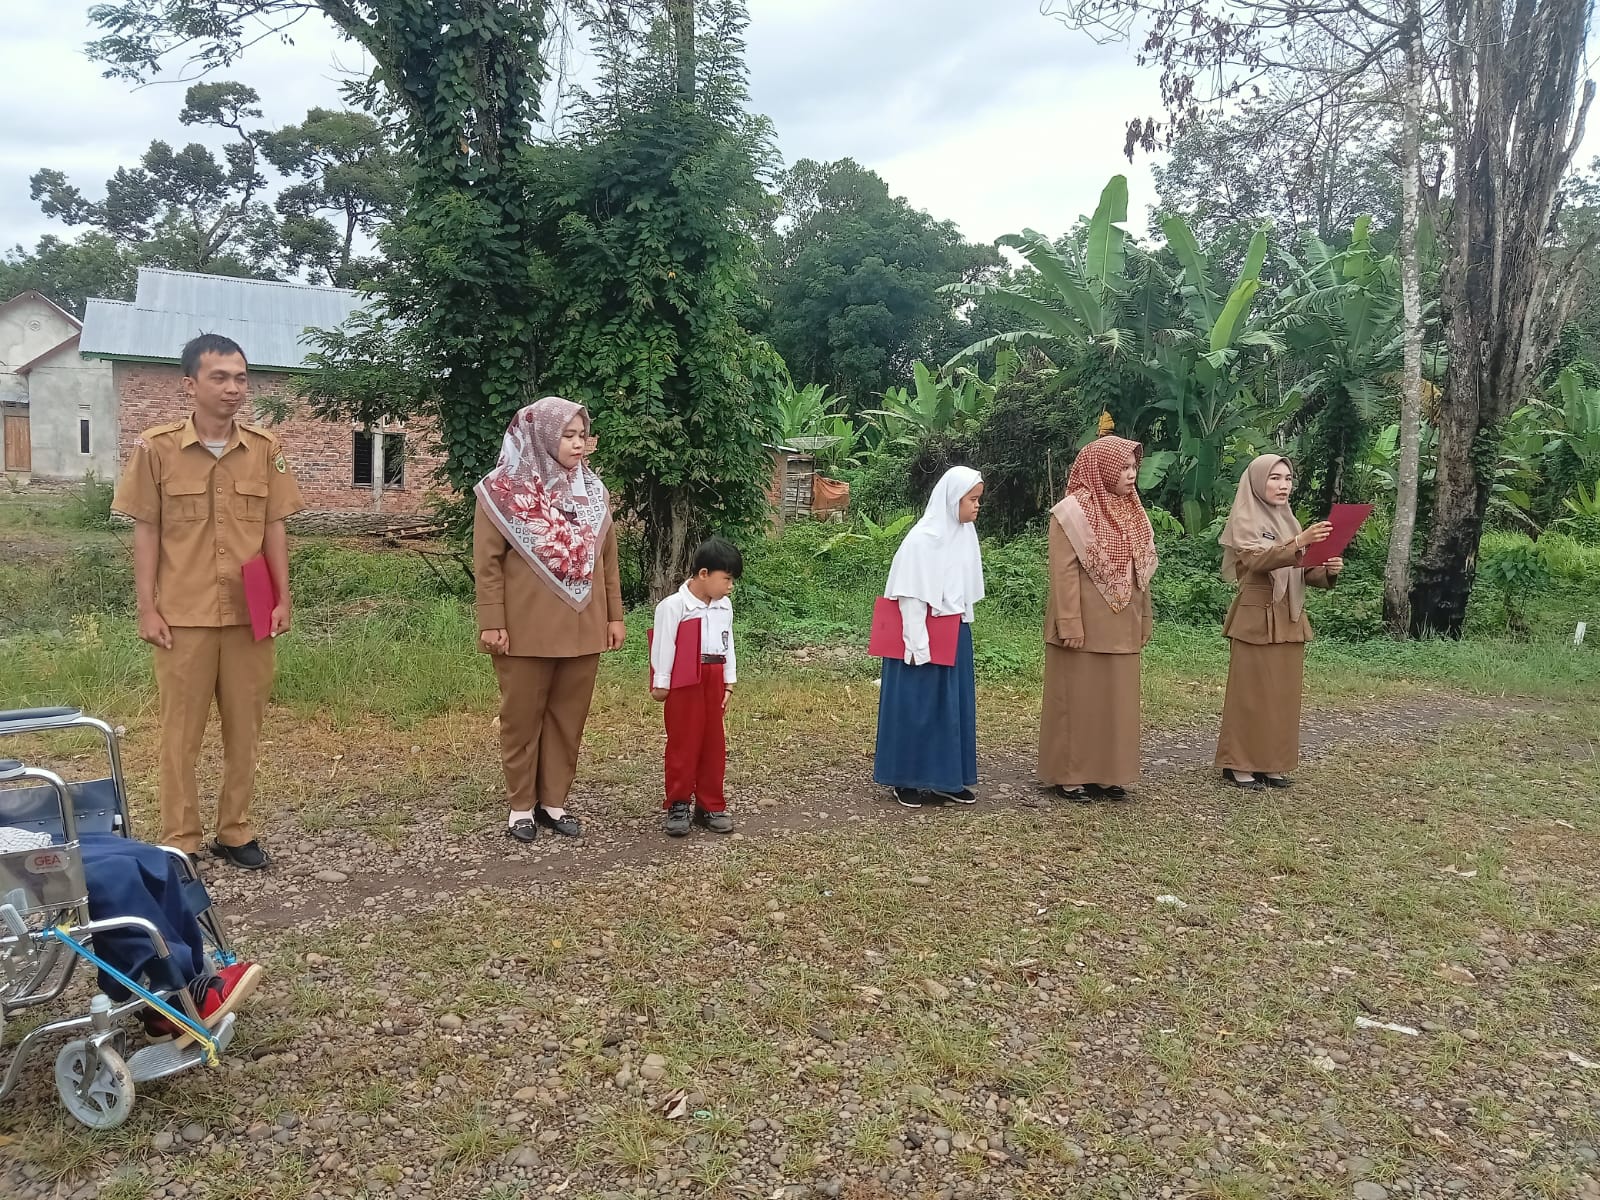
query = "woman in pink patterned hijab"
{"x": 544, "y": 499}
{"x": 544, "y": 555}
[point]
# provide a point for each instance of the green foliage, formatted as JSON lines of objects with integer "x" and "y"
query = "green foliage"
{"x": 95, "y": 264}
{"x": 1515, "y": 573}
{"x": 940, "y": 403}
{"x": 1024, "y": 446}
{"x": 642, "y": 222}
{"x": 848, "y": 288}
{"x": 90, "y": 507}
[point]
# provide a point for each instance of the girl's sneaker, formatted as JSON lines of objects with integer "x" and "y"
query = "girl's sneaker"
{"x": 215, "y": 996}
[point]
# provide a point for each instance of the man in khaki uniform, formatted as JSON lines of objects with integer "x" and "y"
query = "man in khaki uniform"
{"x": 207, "y": 494}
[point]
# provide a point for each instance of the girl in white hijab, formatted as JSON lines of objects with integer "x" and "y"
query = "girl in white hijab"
{"x": 927, "y": 747}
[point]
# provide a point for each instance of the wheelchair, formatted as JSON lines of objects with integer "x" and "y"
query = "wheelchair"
{"x": 46, "y": 933}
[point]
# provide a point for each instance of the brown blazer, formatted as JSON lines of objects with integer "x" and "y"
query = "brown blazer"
{"x": 1075, "y": 608}
{"x": 1253, "y": 616}
{"x": 538, "y": 622}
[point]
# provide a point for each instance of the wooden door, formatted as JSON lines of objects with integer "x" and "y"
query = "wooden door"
{"x": 19, "y": 447}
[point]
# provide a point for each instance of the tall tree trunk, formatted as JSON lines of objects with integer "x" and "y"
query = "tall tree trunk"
{"x": 682, "y": 15}
{"x": 669, "y": 532}
{"x": 1397, "y": 570}
{"x": 1517, "y": 115}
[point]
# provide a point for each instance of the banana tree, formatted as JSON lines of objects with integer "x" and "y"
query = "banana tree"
{"x": 802, "y": 412}
{"x": 1577, "y": 424}
{"x": 1341, "y": 314}
{"x": 936, "y": 405}
{"x": 1208, "y": 375}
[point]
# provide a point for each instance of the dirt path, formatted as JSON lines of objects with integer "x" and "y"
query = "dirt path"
{"x": 321, "y": 878}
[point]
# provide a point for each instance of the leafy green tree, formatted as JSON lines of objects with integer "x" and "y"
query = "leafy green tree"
{"x": 644, "y": 219}
{"x": 95, "y": 264}
{"x": 183, "y": 208}
{"x": 351, "y": 180}
{"x": 849, "y": 281}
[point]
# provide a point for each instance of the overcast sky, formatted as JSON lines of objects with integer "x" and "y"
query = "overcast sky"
{"x": 980, "y": 111}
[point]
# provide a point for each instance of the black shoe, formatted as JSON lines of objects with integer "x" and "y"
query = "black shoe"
{"x": 1280, "y": 781}
{"x": 716, "y": 822}
{"x": 678, "y": 817}
{"x": 1251, "y": 784}
{"x": 964, "y": 796}
{"x": 523, "y": 830}
{"x": 1078, "y": 795}
{"x": 250, "y": 856}
{"x": 1108, "y": 793}
{"x": 566, "y": 826}
{"x": 910, "y": 797}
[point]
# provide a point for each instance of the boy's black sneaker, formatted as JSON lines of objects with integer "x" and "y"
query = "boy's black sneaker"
{"x": 678, "y": 818}
{"x": 250, "y": 856}
{"x": 717, "y": 822}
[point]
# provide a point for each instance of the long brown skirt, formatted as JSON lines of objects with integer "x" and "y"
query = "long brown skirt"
{"x": 1089, "y": 730}
{"x": 1261, "y": 715}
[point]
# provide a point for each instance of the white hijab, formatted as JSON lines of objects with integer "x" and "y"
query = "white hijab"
{"x": 939, "y": 563}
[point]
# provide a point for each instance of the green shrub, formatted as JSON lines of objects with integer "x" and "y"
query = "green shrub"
{"x": 90, "y": 506}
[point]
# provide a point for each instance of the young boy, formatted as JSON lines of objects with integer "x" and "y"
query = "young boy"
{"x": 696, "y": 742}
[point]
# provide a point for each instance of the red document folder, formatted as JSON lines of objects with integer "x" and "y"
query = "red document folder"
{"x": 685, "y": 659}
{"x": 1346, "y": 519}
{"x": 888, "y": 637}
{"x": 259, "y": 595}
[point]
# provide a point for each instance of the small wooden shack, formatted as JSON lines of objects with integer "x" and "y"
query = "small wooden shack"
{"x": 789, "y": 493}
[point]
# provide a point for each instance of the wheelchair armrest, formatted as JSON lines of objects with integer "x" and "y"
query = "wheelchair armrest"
{"x": 34, "y": 716}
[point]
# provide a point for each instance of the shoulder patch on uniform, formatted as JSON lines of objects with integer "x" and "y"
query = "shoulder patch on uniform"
{"x": 279, "y": 465}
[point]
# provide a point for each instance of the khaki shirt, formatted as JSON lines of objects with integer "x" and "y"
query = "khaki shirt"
{"x": 1076, "y": 609}
{"x": 538, "y": 622}
{"x": 212, "y": 514}
{"x": 1254, "y": 616}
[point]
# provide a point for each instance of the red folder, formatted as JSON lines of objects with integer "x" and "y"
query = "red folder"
{"x": 1346, "y": 519}
{"x": 685, "y": 659}
{"x": 888, "y": 638}
{"x": 259, "y": 595}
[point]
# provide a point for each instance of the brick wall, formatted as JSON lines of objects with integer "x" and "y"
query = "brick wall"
{"x": 320, "y": 453}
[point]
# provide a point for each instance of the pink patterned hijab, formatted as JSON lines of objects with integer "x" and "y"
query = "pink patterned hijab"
{"x": 554, "y": 518}
{"x": 1110, "y": 533}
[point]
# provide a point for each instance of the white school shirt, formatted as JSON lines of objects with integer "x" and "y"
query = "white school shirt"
{"x": 716, "y": 633}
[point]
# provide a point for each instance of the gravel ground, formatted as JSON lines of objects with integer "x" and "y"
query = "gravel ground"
{"x": 1023, "y": 999}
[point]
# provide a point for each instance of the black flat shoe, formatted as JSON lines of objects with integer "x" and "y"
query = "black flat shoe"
{"x": 964, "y": 796}
{"x": 1112, "y": 792}
{"x": 523, "y": 830}
{"x": 565, "y": 826}
{"x": 1282, "y": 781}
{"x": 1078, "y": 795}
{"x": 250, "y": 856}
{"x": 1249, "y": 785}
{"x": 910, "y": 797}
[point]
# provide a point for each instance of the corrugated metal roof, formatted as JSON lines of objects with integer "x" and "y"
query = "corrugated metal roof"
{"x": 268, "y": 319}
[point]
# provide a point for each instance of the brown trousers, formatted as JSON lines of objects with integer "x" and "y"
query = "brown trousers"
{"x": 544, "y": 703}
{"x": 230, "y": 667}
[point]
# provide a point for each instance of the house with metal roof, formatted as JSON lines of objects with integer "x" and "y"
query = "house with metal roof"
{"x": 57, "y": 410}
{"x": 341, "y": 467}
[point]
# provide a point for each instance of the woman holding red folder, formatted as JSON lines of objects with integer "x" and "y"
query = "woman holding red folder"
{"x": 1267, "y": 627}
{"x": 1097, "y": 620}
{"x": 544, "y": 557}
{"x": 927, "y": 747}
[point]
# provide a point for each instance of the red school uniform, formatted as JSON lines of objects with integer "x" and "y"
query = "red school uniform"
{"x": 696, "y": 760}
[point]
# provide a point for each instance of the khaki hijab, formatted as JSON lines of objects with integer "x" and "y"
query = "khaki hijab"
{"x": 1255, "y": 524}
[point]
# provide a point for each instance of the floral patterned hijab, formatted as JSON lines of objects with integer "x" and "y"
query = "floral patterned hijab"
{"x": 554, "y": 518}
{"x": 1111, "y": 533}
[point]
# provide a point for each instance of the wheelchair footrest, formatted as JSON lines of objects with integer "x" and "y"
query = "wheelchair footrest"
{"x": 160, "y": 1059}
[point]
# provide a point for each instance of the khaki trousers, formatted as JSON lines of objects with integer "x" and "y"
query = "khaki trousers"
{"x": 544, "y": 703}
{"x": 228, "y": 666}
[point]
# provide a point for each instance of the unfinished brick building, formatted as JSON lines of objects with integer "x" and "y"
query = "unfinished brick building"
{"x": 351, "y": 477}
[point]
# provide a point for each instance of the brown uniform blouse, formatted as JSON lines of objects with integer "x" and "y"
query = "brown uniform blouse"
{"x": 1254, "y": 617}
{"x": 1075, "y": 608}
{"x": 212, "y": 513}
{"x": 538, "y": 622}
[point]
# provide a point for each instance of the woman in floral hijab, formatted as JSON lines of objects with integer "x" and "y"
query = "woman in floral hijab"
{"x": 549, "y": 596}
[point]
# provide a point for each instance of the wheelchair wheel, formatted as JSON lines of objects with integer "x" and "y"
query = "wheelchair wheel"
{"x": 102, "y": 1101}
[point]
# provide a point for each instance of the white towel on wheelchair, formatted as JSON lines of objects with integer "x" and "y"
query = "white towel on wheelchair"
{"x": 13, "y": 839}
